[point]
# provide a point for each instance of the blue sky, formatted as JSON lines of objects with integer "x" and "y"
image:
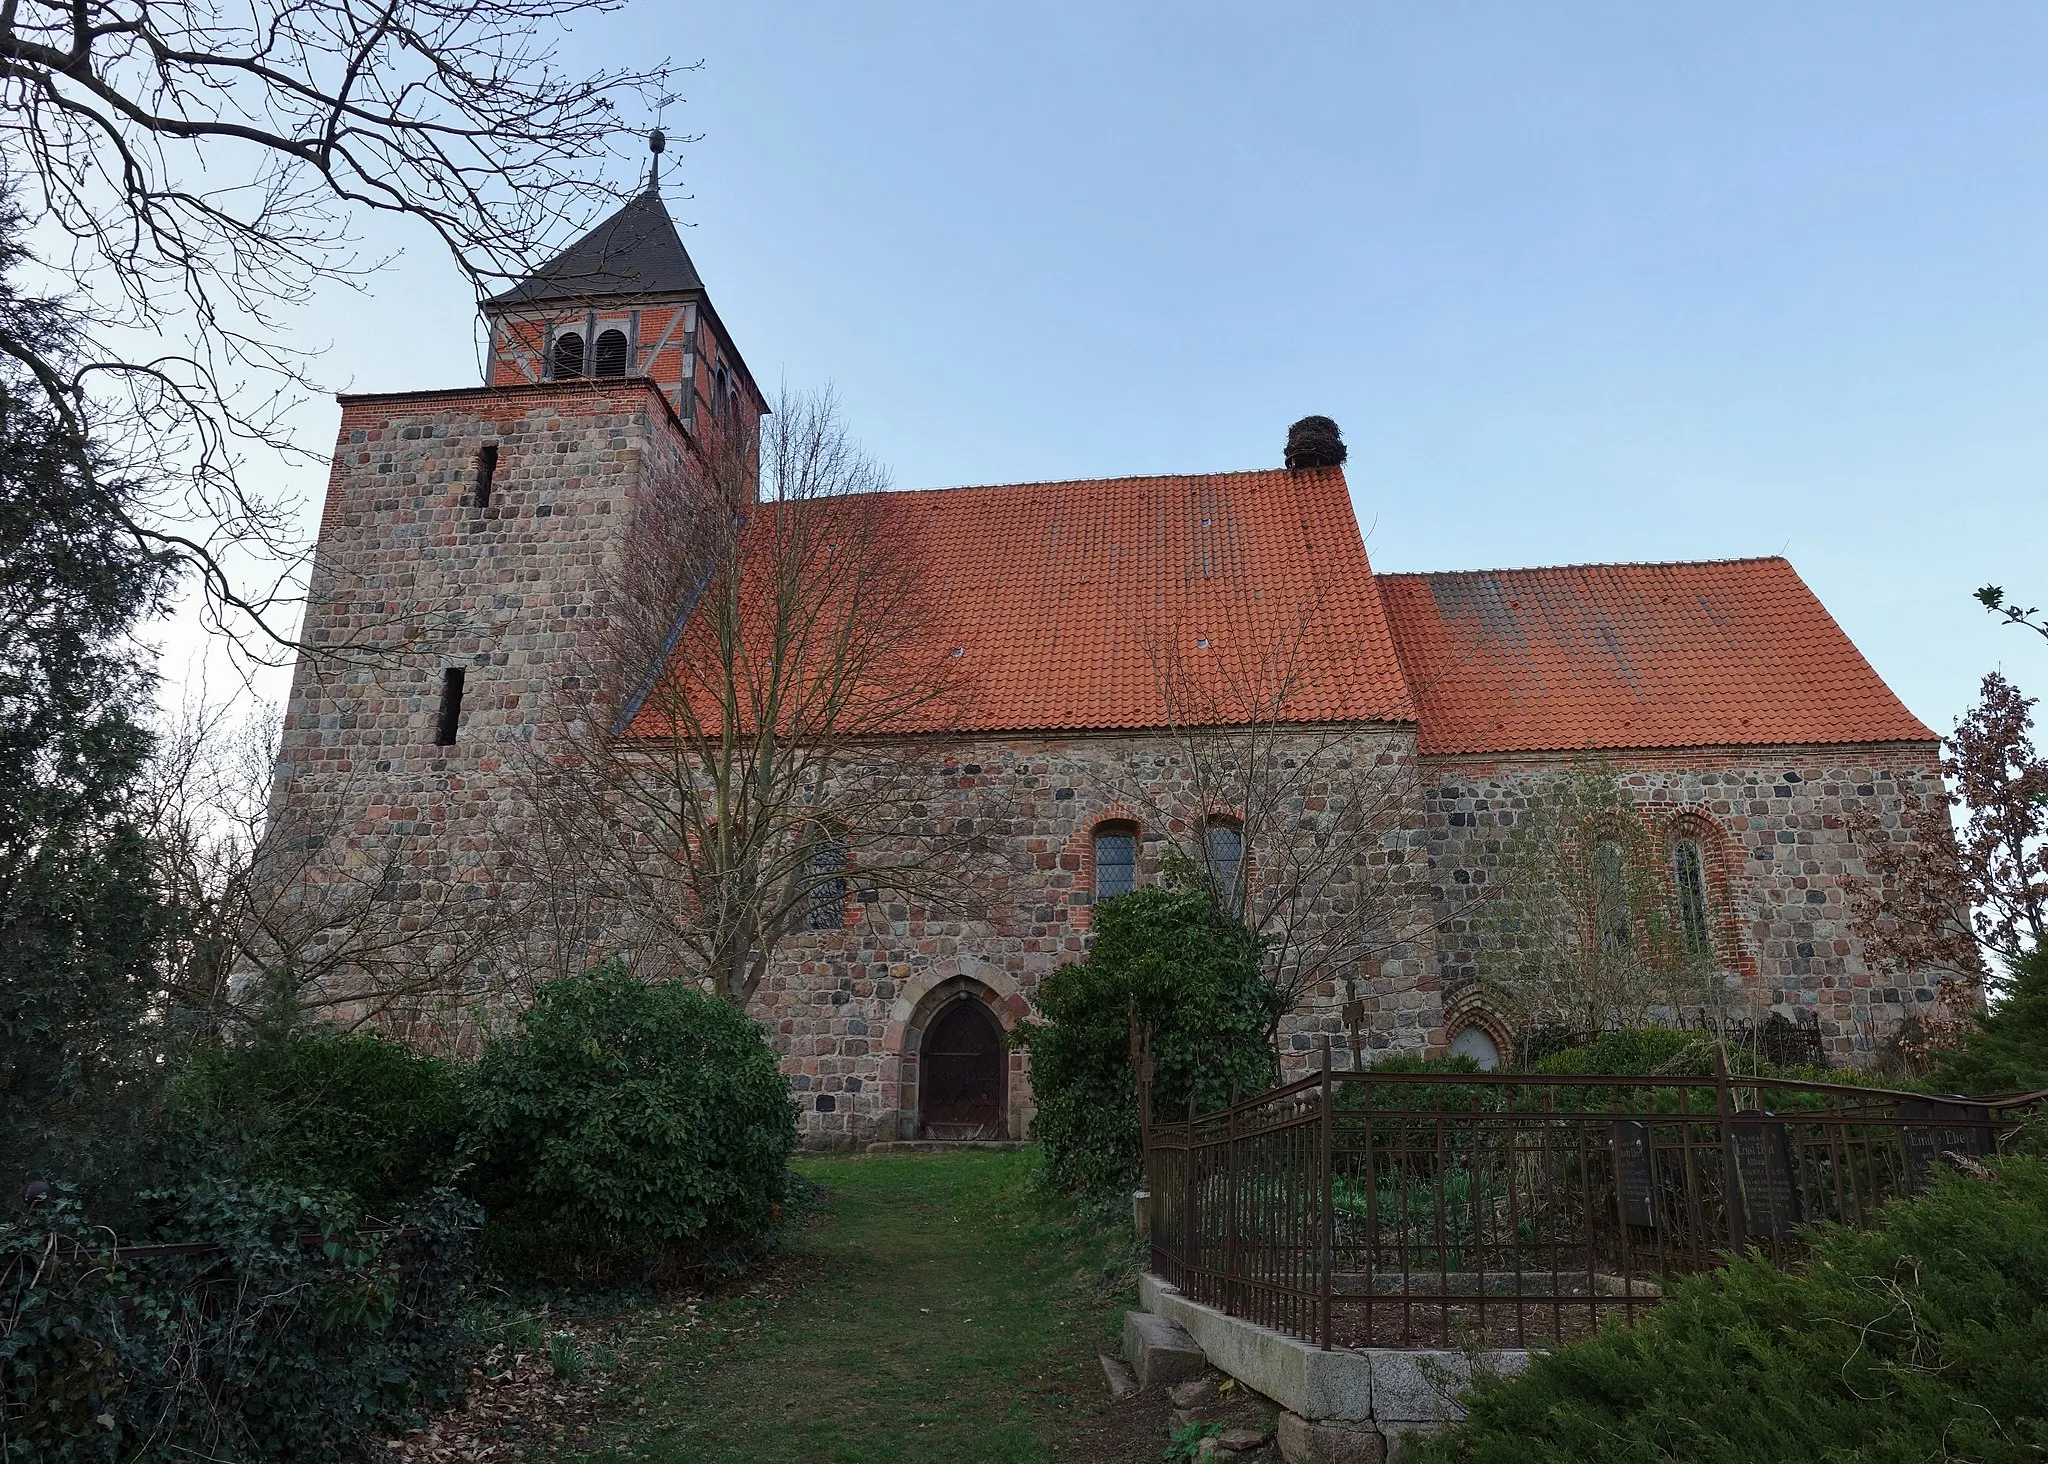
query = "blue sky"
{"x": 1580, "y": 282}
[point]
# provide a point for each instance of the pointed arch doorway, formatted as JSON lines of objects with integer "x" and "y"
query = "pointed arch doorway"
{"x": 963, "y": 1069}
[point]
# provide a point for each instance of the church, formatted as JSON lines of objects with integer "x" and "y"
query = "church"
{"x": 467, "y": 546}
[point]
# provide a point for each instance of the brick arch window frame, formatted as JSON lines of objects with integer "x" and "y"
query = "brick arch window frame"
{"x": 1077, "y": 860}
{"x": 1112, "y": 828}
{"x": 1626, "y": 831}
{"x": 1471, "y": 1012}
{"x": 1724, "y": 930}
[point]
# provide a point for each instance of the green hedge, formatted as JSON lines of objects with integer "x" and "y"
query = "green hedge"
{"x": 1925, "y": 1339}
{"x": 355, "y": 1112}
{"x": 627, "y": 1129}
{"x": 1194, "y": 974}
{"x": 2008, "y": 1051}
{"x": 268, "y": 1348}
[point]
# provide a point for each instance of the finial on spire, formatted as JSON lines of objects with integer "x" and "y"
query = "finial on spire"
{"x": 656, "y": 143}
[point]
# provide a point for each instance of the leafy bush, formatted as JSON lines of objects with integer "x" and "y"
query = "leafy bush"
{"x": 1925, "y": 1339}
{"x": 626, "y": 1127}
{"x": 1194, "y": 974}
{"x": 1638, "y": 1052}
{"x": 355, "y": 1112}
{"x": 2008, "y": 1052}
{"x": 298, "y": 1338}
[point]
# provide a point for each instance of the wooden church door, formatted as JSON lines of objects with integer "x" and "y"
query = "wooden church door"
{"x": 962, "y": 1078}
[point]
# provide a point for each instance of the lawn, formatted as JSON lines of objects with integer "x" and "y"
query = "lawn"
{"x": 940, "y": 1310}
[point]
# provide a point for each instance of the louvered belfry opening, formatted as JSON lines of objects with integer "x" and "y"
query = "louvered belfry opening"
{"x": 611, "y": 353}
{"x": 568, "y": 363}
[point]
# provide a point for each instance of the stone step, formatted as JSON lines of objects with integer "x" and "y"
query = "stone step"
{"x": 938, "y": 1146}
{"x": 1159, "y": 1352}
{"x": 1121, "y": 1383}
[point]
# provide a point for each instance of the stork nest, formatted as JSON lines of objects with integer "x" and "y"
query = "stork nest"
{"x": 1315, "y": 442}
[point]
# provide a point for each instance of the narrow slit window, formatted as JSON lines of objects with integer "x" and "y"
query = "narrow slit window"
{"x": 451, "y": 707}
{"x": 486, "y": 470}
{"x": 611, "y": 353}
{"x": 1689, "y": 873}
{"x": 568, "y": 360}
{"x": 1224, "y": 844}
{"x": 1116, "y": 861}
{"x": 1615, "y": 920}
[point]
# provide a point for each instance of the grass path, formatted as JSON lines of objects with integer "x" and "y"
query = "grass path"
{"x": 941, "y": 1311}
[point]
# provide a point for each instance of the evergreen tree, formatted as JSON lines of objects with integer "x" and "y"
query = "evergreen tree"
{"x": 2006, "y": 1049}
{"x": 80, "y": 920}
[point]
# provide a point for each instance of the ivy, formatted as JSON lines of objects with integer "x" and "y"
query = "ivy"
{"x": 293, "y": 1334}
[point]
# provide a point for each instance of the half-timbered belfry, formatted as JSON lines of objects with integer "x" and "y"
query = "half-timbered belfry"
{"x": 624, "y": 301}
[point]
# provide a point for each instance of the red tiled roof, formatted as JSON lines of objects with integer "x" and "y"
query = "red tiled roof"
{"x": 1058, "y": 596}
{"x": 1055, "y": 593}
{"x": 1633, "y": 656}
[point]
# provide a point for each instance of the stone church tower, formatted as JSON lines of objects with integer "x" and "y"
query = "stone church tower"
{"x": 458, "y": 589}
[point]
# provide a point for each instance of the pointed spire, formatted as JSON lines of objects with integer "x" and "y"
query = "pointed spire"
{"x": 635, "y": 252}
{"x": 656, "y": 144}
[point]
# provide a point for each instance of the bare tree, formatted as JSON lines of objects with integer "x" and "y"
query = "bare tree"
{"x": 1579, "y": 935}
{"x": 194, "y": 170}
{"x": 768, "y": 757}
{"x": 266, "y": 922}
{"x": 1308, "y": 829}
{"x": 1935, "y": 897}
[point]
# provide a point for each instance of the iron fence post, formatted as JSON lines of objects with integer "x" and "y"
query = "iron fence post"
{"x": 1190, "y": 1237}
{"x": 1731, "y": 1176}
{"x": 1230, "y": 1173}
{"x": 1327, "y": 1222}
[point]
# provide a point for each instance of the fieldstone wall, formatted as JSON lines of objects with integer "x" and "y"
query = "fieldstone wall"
{"x": 392, "y": 846}
{"x": 1773, "y": 824}
{"x": 847, "y": 1006}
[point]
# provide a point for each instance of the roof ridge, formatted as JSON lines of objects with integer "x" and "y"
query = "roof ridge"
{"x": 1112, "y": 478}
{"x": 1587, "y": 564}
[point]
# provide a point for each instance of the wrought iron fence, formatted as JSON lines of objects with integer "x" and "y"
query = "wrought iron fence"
{"x": 1430, "y": 1210}
{"x": 1776, "y": 1039}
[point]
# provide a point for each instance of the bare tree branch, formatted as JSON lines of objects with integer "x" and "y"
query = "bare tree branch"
{"x": 770, "y": 753}
{"x": 194, "y": 171}
{"x": 1331, "y": 871}
{"x": 267, "y": 919}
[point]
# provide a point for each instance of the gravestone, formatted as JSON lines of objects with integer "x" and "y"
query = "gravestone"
{"x": 1633, "y": 1172}
{"x": 1763, "y": 1166}
{"x": 1945, "y": 1129}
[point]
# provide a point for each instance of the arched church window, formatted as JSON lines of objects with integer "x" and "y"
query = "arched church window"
{"x": 826, "y": 909}
{"x": 721, "y": 404}
{"x": 1477, "y": 1043}
{"x": 1116, "y": 860}
{"x": 1689, "y": 875}
{"x": 1223, "y": 846}
{"x": 611, "y": 353}
{"x": 568, "y": 361}
{"x": 1611, "y": 913}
